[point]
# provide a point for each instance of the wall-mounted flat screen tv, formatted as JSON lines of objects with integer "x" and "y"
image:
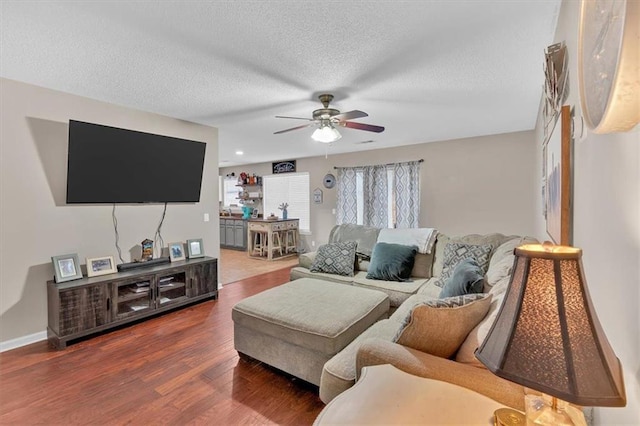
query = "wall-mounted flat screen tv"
{"x": 113, "y": 165}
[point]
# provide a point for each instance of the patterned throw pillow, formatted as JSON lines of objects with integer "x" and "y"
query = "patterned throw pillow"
{"x": 336, "y": 258}
{"x": 439, "y": 326}
{"x": 456, "y": 252}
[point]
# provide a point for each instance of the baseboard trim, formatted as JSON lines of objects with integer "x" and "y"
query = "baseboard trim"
{"x": 23, "y": 341}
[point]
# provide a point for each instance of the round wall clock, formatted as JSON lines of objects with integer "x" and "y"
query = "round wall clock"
{"x": 608, "y": 61}
{"x": 329, "y": 181}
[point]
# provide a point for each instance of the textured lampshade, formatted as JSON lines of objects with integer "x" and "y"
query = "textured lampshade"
{"x": 547, "y": 336}
{"x": 326, "y": 133}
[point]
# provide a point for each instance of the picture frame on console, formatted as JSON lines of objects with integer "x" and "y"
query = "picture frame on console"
{"x": 66, "y": 267}
{"x": 101, "y": 266}
{"x": 195, "y": 248}
{"x": 176, "y": 251}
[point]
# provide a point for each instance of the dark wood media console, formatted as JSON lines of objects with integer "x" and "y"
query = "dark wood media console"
{"x": 90, "y": 305}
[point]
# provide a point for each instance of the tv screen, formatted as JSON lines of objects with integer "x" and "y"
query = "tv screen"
{"x": 112, "y": 165}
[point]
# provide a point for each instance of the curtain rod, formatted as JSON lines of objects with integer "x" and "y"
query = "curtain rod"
{"x": 373, "y": 165}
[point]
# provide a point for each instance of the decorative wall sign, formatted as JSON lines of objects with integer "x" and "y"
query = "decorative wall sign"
{"x": 288, "y": 166}
{"x": 558, "y": 180}
{"x": 317, "y": 196}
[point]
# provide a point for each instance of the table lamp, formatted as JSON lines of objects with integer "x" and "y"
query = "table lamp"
{"x": 547, "y": 337}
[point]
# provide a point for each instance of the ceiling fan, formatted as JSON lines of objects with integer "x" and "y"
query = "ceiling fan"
{"x": 327, "y": 119}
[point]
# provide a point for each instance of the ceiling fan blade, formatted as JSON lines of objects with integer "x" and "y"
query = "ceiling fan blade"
{"x": 293, "y": 128}
{"x": 294, "y": 118}
{"x": 362, "y": 126}
{"x": 350, "y": 115}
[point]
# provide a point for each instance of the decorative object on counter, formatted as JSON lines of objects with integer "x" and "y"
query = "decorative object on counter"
{"x": 246, "y": 212}
{"x": 101, "y": 266}
{"x": 66, "y": 267}
{"x": 317, "y": 196}
{"x": 283, "y": 207}
{"x": 547, "y": 337}
{"x": 147, "y": 250}
{"x": 176, "y": 251}
{"x": 195, "y": 248}
{"x": 272, "y": 217}
{"x": 288, "y": 166}
{"x": 254, "y": 214}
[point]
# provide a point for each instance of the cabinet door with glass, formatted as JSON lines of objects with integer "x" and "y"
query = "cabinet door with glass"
{"x": 172, "y": 288}
{"x": 133, "y": 296}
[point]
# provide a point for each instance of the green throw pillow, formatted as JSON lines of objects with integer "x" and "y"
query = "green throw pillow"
{"x": 336, "y": 258}
{"x": 467, "y": 277}
{"x": 391, "y": 262}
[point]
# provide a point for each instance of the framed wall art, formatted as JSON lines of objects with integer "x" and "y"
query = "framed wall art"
{"x": 101, "y": 266}
{"x": 558, "y": 177}
{"x": 176, "y": 251}
{"x": 66, "y": 267}
{"x": 195, "y": 248}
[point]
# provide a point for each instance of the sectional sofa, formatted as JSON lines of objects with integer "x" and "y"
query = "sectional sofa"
{"x": 379, "y": 344}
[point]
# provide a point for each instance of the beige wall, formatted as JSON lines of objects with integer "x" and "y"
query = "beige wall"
{"x": 606, "y": 226}
{"x": 475, "y": 185}
{"x": 35, "y": 222}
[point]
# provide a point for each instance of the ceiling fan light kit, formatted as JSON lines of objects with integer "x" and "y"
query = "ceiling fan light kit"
{"x": 326, "y": 133}
{"x": 328, "y": 118}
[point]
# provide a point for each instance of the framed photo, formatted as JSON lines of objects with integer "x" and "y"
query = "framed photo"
{"x": 176, "y": 251}
{"x": 557, "y": 158}
{"x": 101, "y": 266}
{"x": 195, "y": 248}
{"x": 66, "y": 267}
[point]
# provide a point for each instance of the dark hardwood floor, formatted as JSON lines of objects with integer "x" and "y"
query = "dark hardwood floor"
{"x": 178, "y": 368}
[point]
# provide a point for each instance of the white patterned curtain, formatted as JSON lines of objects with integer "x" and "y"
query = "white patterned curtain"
{"x": 347, "y": 201}
{"x": 406, "y": 177}
{"x": 382, "y": 196}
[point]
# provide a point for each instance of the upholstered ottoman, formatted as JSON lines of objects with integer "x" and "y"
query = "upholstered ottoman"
{"x": 300, "y": 325}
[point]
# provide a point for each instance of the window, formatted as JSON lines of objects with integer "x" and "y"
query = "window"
{"x": 291, "y": 188}
{"x": 228, "y": 191}
{"x": 383, "y": 196}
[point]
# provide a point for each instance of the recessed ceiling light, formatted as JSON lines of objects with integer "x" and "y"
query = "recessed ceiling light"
{"x": 239, "y": 153}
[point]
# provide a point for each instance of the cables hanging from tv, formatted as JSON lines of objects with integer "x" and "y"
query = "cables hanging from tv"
{"x": 158, "y": 242}
{"x": 115, "y": 228}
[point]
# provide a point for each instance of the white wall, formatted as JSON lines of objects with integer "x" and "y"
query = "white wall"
{"x": 606, "y": 226}
{"x": 474, "y": 185}
{"x": 35, "y": 222}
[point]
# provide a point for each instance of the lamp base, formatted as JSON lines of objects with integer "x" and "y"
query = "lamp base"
{"x": 508, "y": 417}
{"x": 546, "y": 410}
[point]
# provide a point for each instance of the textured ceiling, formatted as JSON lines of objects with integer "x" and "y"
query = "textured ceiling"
{"x": 426, "y": 70}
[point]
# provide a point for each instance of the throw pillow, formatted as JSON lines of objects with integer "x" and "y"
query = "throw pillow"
{"x": 467, "y": 278}
{"x": 391, "y": 262}
{"x": 336, "y": 258}
{"x": 439, "y": 326}
{"x": 456, "y": 252}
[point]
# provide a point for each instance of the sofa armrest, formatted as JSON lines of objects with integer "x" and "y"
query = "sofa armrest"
{"x": 306, "y": 259}
{"x": 376, "y": 351}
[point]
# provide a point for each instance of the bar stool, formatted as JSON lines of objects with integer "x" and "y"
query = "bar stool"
{"x": 276, "y": 242}
{"x": 290, "y": 240}
{"x": 259, "y": 242}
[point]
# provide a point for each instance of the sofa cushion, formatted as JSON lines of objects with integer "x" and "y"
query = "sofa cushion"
{"x": 306, "y": 259}
{"x": 298, "y": 272}
{"x": 501, "y": 262}
{"x": 364, "y": 236}
{"x": 339, "y": 373}
{"x": 466, "y": 352}
{"x": 336, "y": 258}
{"x": 397, "y": 291}
{"x": 391, "y": 262}
{"x": 494, "y": 240}
{"x": 439, "y": 326}
{"x": 467, "y": 277}
{"x": 454, "y": 253}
